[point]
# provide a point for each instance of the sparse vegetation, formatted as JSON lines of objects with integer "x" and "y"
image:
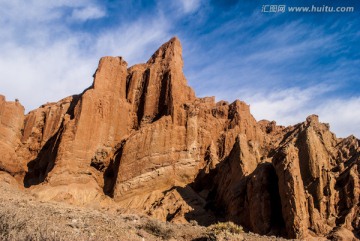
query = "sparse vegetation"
{"x": 158, "y": 229}
{"x": 226, "y": 227}
{"x": 24, "y": 218}
{"x": 13, "y": 227}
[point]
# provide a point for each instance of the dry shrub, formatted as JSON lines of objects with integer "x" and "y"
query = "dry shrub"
{"x": 226, "y": 227}
{"x": 12, "y": 227}
{"x": 158, "y": 229}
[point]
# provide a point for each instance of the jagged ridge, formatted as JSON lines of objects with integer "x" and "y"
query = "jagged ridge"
{"x": 139, "y": 138}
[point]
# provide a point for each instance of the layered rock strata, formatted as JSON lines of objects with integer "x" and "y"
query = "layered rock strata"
{"x": 139, "y": 138}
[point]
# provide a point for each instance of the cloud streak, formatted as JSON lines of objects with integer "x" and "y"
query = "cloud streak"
{"x": 189, "y": 6}
{"x": 86, "y": 13}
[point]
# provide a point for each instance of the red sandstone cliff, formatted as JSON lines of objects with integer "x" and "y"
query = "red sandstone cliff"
{"x": 139, "y": 138}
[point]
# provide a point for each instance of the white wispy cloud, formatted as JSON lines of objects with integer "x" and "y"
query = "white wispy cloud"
{"x": 289, "y": 106}
{"x": 36, "y": 77}
{"x": 189, "y": 6}
{"x": 18, "y": 11}
{"x": 342, "y": 114}
{"x": 135, "y": 41}
{"x": 86, "y": 13}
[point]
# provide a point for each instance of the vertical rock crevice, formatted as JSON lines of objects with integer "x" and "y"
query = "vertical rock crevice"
{"x": 39, "y": 168}
{"x": 112, "y": 171}
{"x": 164, "y": 104}
{"x": 143, "y": 88}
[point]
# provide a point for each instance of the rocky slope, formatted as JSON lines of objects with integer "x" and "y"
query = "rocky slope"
{"x": 25, "y": 218}
{"x": 140, "y": 139}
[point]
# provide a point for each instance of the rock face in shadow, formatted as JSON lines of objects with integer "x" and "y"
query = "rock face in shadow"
{"x": 138, "y": 138}
{"x": 309, "y": 166}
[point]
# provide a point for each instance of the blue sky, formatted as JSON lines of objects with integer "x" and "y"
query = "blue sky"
{"x": 285, "y": 65}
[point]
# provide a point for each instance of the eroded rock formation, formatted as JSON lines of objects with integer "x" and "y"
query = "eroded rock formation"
{"x": 139, "y": 138}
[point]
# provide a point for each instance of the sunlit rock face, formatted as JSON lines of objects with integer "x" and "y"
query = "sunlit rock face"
{"x": 139, "y": 139}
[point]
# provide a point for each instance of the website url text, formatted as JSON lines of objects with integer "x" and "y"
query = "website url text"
{"x": 308, "y": 9}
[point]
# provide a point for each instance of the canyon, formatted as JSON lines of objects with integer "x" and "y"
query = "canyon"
{"x": 139, "y": 139}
